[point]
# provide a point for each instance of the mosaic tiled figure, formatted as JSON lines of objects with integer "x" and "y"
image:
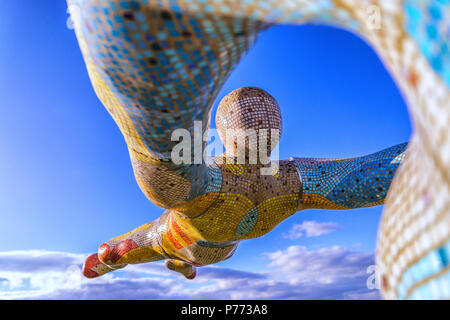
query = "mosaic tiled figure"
{"x": 158, "y": 66}
{"x": 236, "y": 201}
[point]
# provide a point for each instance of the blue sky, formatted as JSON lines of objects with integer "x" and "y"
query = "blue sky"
{"x": 66, "y": 182}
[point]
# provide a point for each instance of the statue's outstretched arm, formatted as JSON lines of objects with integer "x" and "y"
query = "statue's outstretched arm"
{"x": 143, "y": 244}
{"x": 349, "y": 183}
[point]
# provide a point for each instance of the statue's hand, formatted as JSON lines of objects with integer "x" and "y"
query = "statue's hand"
{"x": 93, "y": 267}
{"x": 138, "y": 246}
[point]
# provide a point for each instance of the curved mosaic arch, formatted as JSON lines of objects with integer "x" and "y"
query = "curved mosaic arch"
{"x": 158, "y": 65}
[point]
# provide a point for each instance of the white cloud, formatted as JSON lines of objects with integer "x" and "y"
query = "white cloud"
{"x": 293, "y": 273}
{"x": 311, "y": 229}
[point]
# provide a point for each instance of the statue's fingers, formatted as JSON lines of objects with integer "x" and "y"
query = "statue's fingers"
{"x": 186, "y": 269}
{"x": 137, "y": 246}
{"x": 93, "y": 267}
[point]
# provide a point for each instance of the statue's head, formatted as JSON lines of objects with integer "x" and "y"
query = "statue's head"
{"x": 245, "y": 111}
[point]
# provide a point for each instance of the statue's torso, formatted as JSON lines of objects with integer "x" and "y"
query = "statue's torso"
{"x": 248, "y": 205}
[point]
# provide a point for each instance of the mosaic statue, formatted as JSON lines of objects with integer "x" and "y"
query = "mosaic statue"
{"x": 157, "y": 66}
